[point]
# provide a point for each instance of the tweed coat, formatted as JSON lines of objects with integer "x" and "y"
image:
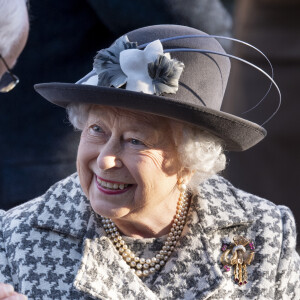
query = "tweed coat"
{"x": 54, "y": 247}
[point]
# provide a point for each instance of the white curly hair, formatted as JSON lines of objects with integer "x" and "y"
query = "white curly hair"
{"x": 199, "y": 152}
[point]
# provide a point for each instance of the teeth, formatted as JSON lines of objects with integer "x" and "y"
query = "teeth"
{"x": 112, "y": 186}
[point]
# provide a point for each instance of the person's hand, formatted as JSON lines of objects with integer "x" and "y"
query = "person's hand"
{"x": 7, "y": 293}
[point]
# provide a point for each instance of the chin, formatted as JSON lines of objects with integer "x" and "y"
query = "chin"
{"x": 109, "y": 211}
{"x": 109, "y": 206}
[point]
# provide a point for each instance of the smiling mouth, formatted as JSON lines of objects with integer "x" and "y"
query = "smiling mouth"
{"x": 112, "y": 186}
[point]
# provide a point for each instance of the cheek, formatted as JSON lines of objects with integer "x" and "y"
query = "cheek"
{"x": 153, "y": 183}
{"x": 150, "y": 168}
{"x": 165, "y": 162}
{"x": 85, "y": 156}
{"x": 152, "y": 159}
{"x": 19, "y": 45}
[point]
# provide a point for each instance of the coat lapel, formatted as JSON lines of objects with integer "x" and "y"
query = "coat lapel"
{"x": 219, "y": 205}
{"x": 103, "y": 274}
{"x": 64, "y": 209}
{"x": 192, "y": 272}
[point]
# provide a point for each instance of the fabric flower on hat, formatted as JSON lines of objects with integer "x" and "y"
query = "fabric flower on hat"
{"x": 149, "y": 71}
{"x": 165, "y": 73}
{"x": 107, "y": 65}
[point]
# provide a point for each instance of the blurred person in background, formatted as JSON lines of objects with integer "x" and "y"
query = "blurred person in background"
{"x": 14, "y": 27}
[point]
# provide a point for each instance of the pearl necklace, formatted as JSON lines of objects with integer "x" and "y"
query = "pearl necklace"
{"x": 142, "y": 266}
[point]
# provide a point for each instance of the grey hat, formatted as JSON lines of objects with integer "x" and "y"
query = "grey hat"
{"x": 138, "y": 73}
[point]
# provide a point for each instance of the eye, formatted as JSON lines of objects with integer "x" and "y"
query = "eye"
{"x": 136, "y": 142}
{"x": 95, "y": 129}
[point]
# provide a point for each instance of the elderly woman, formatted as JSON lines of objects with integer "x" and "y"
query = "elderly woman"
{"x": 146, "y": 216}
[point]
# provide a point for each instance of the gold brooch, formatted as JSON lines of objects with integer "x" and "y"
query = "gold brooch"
{"x": 238, "y": 254}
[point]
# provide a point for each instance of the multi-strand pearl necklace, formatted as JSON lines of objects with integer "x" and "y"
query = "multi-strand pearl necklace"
{"x": 142, "y": 266}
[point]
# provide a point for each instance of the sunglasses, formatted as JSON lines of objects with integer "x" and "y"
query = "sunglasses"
{"x": 9, "y": 80}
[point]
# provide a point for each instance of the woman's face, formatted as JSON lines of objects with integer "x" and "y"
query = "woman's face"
{"x": 127, "y": 163}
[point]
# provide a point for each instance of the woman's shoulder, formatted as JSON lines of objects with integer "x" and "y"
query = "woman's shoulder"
{"x": 61, "y": 203}
{"x": 252, "y": 204}
{"x": 221, "y": 205}
{"x": 258, "y": 206}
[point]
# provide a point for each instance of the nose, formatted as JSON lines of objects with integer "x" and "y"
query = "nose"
{"x": 108, "y": 157}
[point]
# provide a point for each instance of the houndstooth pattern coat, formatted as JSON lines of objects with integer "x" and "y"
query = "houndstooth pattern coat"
{"x": 54, "y": 247}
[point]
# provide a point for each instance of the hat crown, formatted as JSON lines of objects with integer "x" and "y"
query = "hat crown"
{"x": 204, "y": 78}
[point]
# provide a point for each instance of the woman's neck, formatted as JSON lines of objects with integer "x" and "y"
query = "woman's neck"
{"x": 147, "y": 224}
{"x": 143, "y": 230}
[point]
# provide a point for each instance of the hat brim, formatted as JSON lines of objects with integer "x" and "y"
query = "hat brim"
{"x": 237, "y": 133}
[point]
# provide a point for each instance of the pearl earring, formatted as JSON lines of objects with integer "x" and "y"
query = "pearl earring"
{"x": 182, "y": 185}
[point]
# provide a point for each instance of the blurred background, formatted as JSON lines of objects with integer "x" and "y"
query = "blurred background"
{"x": 38, "y": 145}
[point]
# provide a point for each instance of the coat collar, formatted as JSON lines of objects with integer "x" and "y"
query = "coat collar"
{"x": 104, "y": 275}
{"x": 65, "y": 209}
